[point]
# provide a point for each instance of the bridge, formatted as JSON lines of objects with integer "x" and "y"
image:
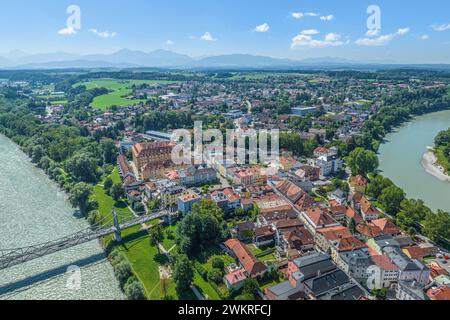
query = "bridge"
{"x": 106, "y": 226}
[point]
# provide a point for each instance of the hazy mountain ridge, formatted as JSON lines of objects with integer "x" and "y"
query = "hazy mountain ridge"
{"x": 126, "y": 58}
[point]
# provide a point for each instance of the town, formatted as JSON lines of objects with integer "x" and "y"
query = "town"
{"x": 320, "y": 223}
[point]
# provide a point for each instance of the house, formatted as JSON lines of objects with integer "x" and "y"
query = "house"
{"x": 264, "y": 236}
{"x": 251, "y": 265}
{"x": 295, "y": 194}
{"x": 418, "y": 253}
{"x": 350, "y": 214}
{"x": 367, "y": 231}
{"x": 410, "y": 290}
{"x": 298, "y": 239}
{"x": 250, "y": 177}
{"x": 339, "y": 196}
{"x": 308, "y": 173}
{"x": 316, "y": 218}
{"x": 325, "y": 236}
{"x": 368, "y": 211}
{"x": 243, "y": 231}
{"x": 227, "y": 199}
{"x": 125, "y": 171}
{"x": 358, "y": 184}
{"x": 322, "y": 284}
{"x": 382, "y": 273}
{"x": 187, "y": 201}
{"x": 322, "y": 151}
{"x": 169, "y": 195}
{"x": 329, "y": 165}
{"x": 197, "y": 176}
{"x": 387, "y": 227}
{"x": 439, "y": 293}
{"x": 338, "y": 212}
{"x": 235, "y": 279}
{"x": 352, "y": 256}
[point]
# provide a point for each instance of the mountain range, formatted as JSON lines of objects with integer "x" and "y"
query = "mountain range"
{"x": 166, "y": 59}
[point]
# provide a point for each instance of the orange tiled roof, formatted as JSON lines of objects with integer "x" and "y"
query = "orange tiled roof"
{"x": 441, "y": 293}
{"x": 335, "y": 233}
{"x": 384, "y": 262}
{"x": 245, "y": 257}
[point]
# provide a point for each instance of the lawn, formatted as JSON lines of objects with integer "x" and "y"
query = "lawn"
{"x": 263, "y": 255}
{"x": 121, "y": 90}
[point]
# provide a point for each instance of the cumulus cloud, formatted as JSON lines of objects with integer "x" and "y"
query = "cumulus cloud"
{"x": 208, "y": 37}
{"x": 327, "y": 18}
{"x": 299, "y": 15}
{"x": 381, "y": 40}
{"x": 310, "y": 32}
{"x": 441, "y": 27}
{"x": 67, "y": 31}
{"x": 262, "y": 28}
{"x": 103, "y": 34}
{"x": 306, "y": 40}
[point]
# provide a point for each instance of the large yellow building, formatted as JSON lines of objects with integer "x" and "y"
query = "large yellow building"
{"x": 152, "y": 159}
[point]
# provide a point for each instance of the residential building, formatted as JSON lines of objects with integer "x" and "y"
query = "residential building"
{"x": 151, "y": 159}
{"x": 247, "y": 260}
{"x": 316, "y": 218}
{"x": 235, "y": 279}
{"x": 410, "y": 290}
{"x": 187, "y": 201}
{"x": 382, "y": 273}
{"x": 197, "y": 176}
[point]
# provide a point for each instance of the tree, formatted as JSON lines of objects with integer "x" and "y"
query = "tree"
{"x": 215, "y": 275}
{"x": 183, "y": 273}
{"x": 377, "y": 185}
{"x": 217, "y": 262}
{"x": 122, "y": 271}
{"x": 109, "y": 151}
{"x": 245, "y": 297}
{"x": 352, "y": 225}
{"x": 79, "y": 197}
{"x": 412, "y": 212}
{"x": 134, "y": 290}
{"x": 380, "y": 294}
{"x": 82, "y": 167}
{"x": 251, "y": 287}
{"x": 437, "y": 226}
{"x": 391, "y": 198}
{"x": 117, "y": 191}
{"x": 156, "y": 236}
{"x": 108, "y": 183}
{"x": 362, "y": 161}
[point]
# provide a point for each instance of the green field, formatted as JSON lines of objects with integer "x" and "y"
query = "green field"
{"x": 121, "y": 90}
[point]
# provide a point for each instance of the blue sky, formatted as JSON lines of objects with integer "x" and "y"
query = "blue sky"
{"x": 411, "y": 31}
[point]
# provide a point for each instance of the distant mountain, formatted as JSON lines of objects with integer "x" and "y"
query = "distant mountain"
{"x": 168, "y": 59}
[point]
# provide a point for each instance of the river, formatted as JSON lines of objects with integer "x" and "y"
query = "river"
{"x": 401, "y": 156}
{"x": 33, "y": 210}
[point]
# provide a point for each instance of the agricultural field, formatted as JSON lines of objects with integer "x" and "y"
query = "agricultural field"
{"x": 120, "y": 91}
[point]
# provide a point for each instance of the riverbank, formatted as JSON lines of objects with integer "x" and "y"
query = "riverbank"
{"x": 431, "y": 166}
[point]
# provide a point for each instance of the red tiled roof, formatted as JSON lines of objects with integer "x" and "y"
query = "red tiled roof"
{"x": 351, "y": 213}
{"x": 386, "y": 226}
{"x": 245, "y": 257}
{"x": 236, "y": 276}
{"x": 349, "y": 244}
{"x": 335, "y": 233}
{"x": 441, "y": 293}
{"x": 369, "y": 231}
{"x": 319, "y": 216}
{"x": 384, "y": 262}
{"x": 359, "y": 181}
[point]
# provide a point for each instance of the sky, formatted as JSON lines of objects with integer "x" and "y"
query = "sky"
{"x": 413, "y": 31}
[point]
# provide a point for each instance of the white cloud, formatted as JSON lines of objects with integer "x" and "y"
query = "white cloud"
{"x": 208, "y": 37}
{"x": 103, "y": 34}
{"x": 381, "y": 40}
{"x": 309, "y": 32}
{"x": 424, "y": 37}
{"x": 67, "y": 31}
{"x": 299, "y": 15}
{"x": 327, "y": 18}
{"x": 170, "y": 42}
{"x": 372, "y": 32}
{"x": 442, "y": 27}
{"x": 262, "y": 28}
{"x": 307, "y": 41}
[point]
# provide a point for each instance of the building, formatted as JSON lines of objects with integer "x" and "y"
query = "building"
{"x": 125, "y": 171}
{"x": 226, "y": 199}
{"x": 187, "y": 201}
{"x": 250, "y": 177}
{"x": 152, "y": 159}
{"x": 316, "y": 218}
{"x": 329, "y": 165}
{"x": 324, "y": 237}
{"x": 197, "y": 176}
{"x": 243, "y": 231}
{"x": 169, "y": 195}
{"x": 387, "y": 227}
{"x": 308, "y": 173}
{"x": 382, "y": 273}
{"x": 409, "y": 290}
{"x": 358, "y": 184}
{"x": 247, "y": 260}
{"x": 264, "y": 236}
{"x": 439, "y": 293}
{"x": 368, "y": 211}
{"x": 235, "y": 279}
{"x": 303, "y": 111}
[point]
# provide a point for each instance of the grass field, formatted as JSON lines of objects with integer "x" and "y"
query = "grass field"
{"x": 121, "y": 90}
